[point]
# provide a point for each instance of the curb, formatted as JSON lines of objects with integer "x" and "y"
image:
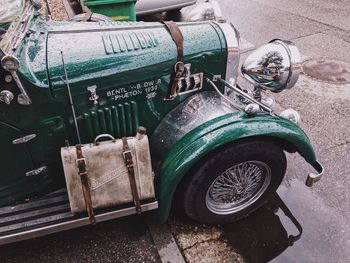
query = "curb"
{"x": 165, "y": 243}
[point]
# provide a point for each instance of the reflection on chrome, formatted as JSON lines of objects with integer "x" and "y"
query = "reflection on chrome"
{"x": 275, "y": 66}
{"x": 210, "y": 10}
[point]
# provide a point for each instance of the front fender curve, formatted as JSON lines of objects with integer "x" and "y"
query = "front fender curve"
{"x": 215, "y": 133}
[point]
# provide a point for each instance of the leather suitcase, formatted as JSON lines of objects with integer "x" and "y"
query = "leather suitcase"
{"x": 108, "y": 178}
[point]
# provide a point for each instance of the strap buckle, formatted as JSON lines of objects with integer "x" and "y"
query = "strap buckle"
{"x": 179, "y": 67}
{"x": 127, "y": 155}
{"x": 81, "y": 164}
{"x": 80, "y": 160}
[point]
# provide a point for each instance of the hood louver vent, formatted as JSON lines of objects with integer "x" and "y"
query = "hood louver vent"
{"x": 120, "y": 120}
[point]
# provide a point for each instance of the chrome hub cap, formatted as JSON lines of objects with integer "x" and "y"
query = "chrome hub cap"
{"x": 238, "y": 187}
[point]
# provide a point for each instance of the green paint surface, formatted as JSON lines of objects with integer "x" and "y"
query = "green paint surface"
{"x": 131, "y": 65}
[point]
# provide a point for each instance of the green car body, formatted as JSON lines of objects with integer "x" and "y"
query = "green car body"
{"x": 131, "y": 65}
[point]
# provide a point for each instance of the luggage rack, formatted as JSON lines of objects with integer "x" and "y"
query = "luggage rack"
{"x": 51, "y": 214}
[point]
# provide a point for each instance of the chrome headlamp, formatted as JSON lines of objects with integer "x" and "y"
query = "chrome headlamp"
{"x": 210, "y": 10}
{"x": 275, "y": 66}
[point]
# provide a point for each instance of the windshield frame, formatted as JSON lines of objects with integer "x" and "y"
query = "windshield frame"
{"x": 8, "y": 17}
{"x": 17, "y": 30}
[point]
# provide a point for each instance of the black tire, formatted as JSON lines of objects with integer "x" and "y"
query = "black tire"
{"x": 76, "y": 6}
{"x": 174, "y": 11}
{"x": 201, "y": 204}
{"x": 94, "y": 18}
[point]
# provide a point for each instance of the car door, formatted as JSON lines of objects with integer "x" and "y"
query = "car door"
{"x": 15, "y": 163}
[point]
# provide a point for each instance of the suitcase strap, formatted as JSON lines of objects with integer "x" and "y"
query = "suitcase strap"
{"x": 82, "y": 172}
{"x": 131, "y": 172}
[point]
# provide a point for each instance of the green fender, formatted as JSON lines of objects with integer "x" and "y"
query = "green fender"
{"x": 215, "y": 133}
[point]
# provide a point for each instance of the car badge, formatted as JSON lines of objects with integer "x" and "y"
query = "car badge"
{"x": 93, "y": 97}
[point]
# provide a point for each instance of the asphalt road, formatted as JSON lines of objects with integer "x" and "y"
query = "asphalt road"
{"x": 302, "y": 224}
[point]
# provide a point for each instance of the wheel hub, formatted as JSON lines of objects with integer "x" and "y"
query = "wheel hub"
{"x": 238, "y": 189}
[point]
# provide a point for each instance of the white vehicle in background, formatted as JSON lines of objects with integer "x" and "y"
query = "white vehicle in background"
{"x": 145, "y": 7}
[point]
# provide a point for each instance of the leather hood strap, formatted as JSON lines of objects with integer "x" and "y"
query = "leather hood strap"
{"x": 179, "y": 67}
{"x": 177, "y": 36}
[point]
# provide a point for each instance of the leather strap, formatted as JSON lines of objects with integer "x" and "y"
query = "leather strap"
{"x": 82, "y": 172}
{"x": 177, "y": 36}
{"x": 131, "y": 172}
{"x": 179, "y": 67}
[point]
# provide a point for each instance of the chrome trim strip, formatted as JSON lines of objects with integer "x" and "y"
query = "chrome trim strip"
{"x": 245, "y": 95}
{"x": 233, "y": 52}
{"x": 24, "y": 139}
{"x": 73, "y": 224}
{"x": 232, "y": 41}
{"x": 37, "y": 171}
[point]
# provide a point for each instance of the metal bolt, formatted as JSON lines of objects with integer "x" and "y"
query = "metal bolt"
{"x": 8, "y": 78}
{"x": 142, "y": 130}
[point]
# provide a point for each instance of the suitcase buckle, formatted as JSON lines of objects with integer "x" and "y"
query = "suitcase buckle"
{"x": 81, "y": 164}
{"x": 127, "y": 155}
{"x": 80, "y": 160}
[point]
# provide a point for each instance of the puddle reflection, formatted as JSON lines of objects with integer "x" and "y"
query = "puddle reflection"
{"x": 296, "y": 225}
{"x": 265, "y": 234}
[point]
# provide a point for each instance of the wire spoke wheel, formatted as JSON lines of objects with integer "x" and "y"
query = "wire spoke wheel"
{"x": 238, "y": 187}
{"x": 233, "y": 181}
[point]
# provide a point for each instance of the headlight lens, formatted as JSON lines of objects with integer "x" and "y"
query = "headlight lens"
{"x": 275, "y": 66}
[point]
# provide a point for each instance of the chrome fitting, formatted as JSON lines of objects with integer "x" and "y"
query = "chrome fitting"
{"x": 313, "y": 178}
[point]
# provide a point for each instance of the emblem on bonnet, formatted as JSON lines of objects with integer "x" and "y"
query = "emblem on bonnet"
{"x": 93, "y": 97}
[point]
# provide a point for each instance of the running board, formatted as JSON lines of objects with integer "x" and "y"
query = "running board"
{"x": 51, "y": 214}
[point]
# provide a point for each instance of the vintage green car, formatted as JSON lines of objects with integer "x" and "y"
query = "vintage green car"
{"x": 217, "y": 150}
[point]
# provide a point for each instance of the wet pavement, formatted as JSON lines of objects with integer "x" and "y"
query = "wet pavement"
{"x": 123, "y": 240}
{"x": 338, "y": 72}
{"x": 295, "y": 225}
{"x": 326, "y": 233}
